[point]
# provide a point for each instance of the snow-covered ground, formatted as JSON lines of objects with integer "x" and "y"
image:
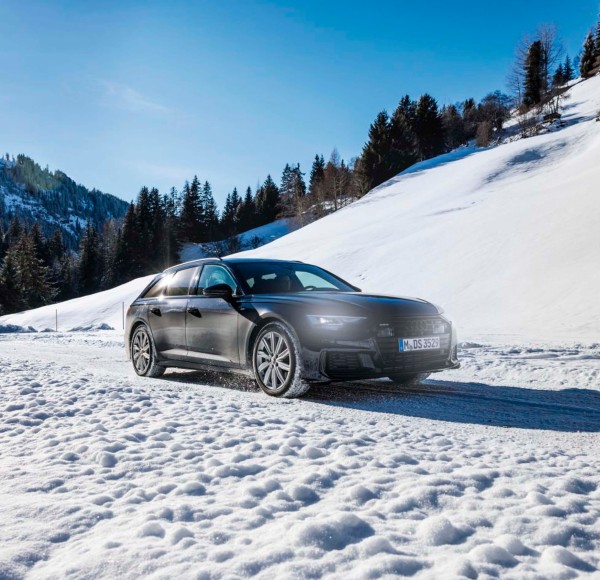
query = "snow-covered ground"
{"x": 491, "y": 470}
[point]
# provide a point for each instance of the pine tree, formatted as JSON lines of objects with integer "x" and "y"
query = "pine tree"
{"x": 267, "y": 201}
{"x": 90, "y": 262}
{"x": 128, "y": 250}
{"x": 317, "y": 173}
{"x": 559, "y": 76}
{"x": 14, "y": 231}
{"x": 39, "y": 242}
{"x": 470, "y": 117}
{"x": 108, "y": 253}
{"x": 56, "y": 246}
{"x": 403, "y": 151}
{"x": 229, "y": 219}
{"x": 586, "y": 64}
{"x": 144, "y": 227}
{"x": 32, "y": 277}
{"x": 454, "y": 127}
{"x": 10, "y": 293}
{"x": 191, "y": 219}
{"x": 375, "y": 153}
{"x": 247, "y": 212}
{"x": 429, "y": 129}
{"x": 568, "y": 72}
{"x": 286, "y": 191}
{"x": 533, "y": 75}
{"x": 210, "y": 213}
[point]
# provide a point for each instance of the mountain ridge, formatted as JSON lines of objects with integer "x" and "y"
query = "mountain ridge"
{"x": 53, "y": 199}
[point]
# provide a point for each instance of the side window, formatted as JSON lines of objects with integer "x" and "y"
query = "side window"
{"x": 213, "y": 274}
{"x": 179, "y": 284}
{"x": 159, "y": 287}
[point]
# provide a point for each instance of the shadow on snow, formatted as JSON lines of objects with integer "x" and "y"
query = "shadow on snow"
{"x": 566, "y": 410}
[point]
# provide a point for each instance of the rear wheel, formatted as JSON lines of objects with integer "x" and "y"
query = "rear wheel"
{"x": 143, "y": 353}
{"x": 412, "y": 379}
{"x": 275, "y": 361}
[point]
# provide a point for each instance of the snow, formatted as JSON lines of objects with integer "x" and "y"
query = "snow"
{"x": 491, "y": 470}
{"x": 104, "y": 473}
{"x": 100, "y": 311}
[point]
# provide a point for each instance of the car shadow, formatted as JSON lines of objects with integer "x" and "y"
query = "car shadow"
{"x": 566, "y": 410}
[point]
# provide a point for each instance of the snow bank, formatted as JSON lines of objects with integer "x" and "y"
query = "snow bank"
{"x": 100, "y": 311}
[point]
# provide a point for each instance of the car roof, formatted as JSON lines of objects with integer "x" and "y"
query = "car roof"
{"x": 201, "y": 261}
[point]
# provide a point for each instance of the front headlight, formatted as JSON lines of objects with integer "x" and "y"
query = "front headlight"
{"x": 321, "y": 321}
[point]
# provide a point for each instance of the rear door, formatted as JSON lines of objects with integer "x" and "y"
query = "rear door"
{"x": 212, "y": 323}
{"x": 167, "y": 313}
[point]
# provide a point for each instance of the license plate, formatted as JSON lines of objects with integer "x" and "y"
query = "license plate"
{"x": 423, "y": 343}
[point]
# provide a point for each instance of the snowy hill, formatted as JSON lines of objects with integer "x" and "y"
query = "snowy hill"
{"x": 505, "y": 238}
{"x": 52, "y": 199}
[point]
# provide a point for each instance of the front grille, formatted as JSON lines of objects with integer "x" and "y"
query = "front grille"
{"x": 395, "y": 360}
{"x": 347, "y": 365}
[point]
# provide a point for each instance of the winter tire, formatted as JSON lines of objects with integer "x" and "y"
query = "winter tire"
{"x": 143, "y": 353}
{"x": 275, "y": 361}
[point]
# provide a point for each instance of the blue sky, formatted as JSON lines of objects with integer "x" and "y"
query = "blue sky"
{"x": 121, "y": 94}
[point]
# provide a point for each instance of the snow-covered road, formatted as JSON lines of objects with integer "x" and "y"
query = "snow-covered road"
{"x": 492, "y": 469}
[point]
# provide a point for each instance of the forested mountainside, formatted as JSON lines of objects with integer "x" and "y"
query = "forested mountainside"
{"x": 52, "y": 199}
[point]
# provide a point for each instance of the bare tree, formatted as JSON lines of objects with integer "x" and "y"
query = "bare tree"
{"x": 552, "y": 52}
{"x": 516, "y": 76}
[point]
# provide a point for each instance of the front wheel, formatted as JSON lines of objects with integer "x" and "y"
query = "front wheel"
{"x": 408, "y": 380}
{"x": 275, "y": 361}
{"x": 143, "y": 354}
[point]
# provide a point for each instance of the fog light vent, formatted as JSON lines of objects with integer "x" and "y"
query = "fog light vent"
{"x": 385, "y": 331}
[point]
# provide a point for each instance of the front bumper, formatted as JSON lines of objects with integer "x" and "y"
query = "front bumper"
{"x": 379, "y": 357}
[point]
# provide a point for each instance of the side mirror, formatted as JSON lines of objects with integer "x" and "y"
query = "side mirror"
{"x": 218, "y": 291}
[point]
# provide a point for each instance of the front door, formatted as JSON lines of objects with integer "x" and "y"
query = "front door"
{"x": 167, "y": 313}
{"x": 212, "y": 323}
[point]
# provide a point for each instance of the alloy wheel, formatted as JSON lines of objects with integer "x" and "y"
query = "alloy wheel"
{"x": 140, "y": 351}
{"x": 273, "y": 361}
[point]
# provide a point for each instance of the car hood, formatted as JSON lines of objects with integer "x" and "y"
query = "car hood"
{"x": 352, "y": 304}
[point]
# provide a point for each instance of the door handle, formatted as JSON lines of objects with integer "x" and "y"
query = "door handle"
{"x": 156, "y": 311}
{"x": 194, "y": 312}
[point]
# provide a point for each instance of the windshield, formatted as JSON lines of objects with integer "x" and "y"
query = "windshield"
{"x": 283, "y": 277}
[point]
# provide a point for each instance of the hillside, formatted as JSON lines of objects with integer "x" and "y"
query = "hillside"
{"x": 53, "y": 199}
{"x": 504, "y": 238}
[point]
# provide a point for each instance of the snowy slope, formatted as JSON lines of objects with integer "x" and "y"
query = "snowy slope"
{"x": 506, "y": 239}
{"x": 102, "y": 310}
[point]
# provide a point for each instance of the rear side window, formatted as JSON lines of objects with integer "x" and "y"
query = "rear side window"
{"x": 179, "y": 285}
{"x": 158, "y": 289}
